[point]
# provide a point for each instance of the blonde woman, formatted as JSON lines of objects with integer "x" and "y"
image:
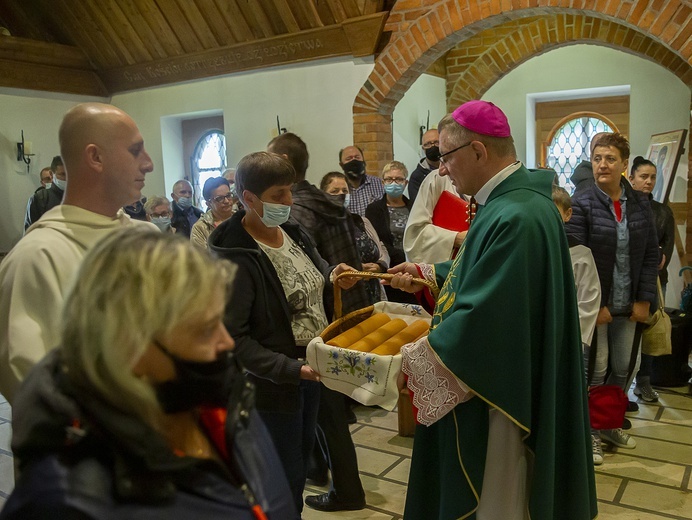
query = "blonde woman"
{"x": 143, "y": 411}
{"x": 158, "y": 212}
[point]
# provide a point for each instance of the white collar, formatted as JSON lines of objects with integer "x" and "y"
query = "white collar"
{"x": 488, "y": 187}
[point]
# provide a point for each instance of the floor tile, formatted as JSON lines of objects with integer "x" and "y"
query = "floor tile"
{"x": 677, "y": 416}
{"x": 374, "y": 461}
{"x": 384, "y": 440}
{"x": 5, "y": 409}
{"x": 658, "y": 499}
{"x": 679, "y": 399}
{"x": 6, "y": 474}
{"x": 381, "y": 494}
{"x": 654, "y": 449}
{"x": 5, "y": 436}
{"x": 614, "y": 512}
{"x": 377, "y": 417}
{"x": 400, "y": 471}
{"x": 607, "y": 486}
{"x": 625, "y": 465}
{"x": 662, "y": 431}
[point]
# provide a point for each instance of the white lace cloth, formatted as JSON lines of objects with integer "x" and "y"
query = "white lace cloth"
{"x": 436, "y": 390}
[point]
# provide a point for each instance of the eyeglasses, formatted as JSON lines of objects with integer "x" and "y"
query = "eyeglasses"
{"x": 221, "y": 198}
{"x": 444, "y": 161}
{"x": 398, "y": 180}
{"x": 430, "y": 144}
{"x": 163, "y": 214}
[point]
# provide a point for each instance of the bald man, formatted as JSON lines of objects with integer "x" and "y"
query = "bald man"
{"x": 106, "y": 164}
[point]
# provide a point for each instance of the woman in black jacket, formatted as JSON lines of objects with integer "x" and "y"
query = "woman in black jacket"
{"x": 643, "y": 178}
{"x": 617, "y": 224}
{"x": 143, "y": 412}
{"x": 277, "y": 306}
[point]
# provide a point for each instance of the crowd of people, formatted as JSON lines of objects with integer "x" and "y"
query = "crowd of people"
{"x": 155, "y": 354}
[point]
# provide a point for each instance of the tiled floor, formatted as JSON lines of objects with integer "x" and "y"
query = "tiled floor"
{"x": 651, "y": 482}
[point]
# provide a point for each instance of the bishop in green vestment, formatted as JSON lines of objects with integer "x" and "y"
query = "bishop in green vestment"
{"x": 499, "y": 382}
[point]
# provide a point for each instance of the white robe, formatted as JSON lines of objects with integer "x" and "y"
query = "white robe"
{"x": 424, "y": 242}
{"x": 588, "y": 290}
{"x": 34, "y": 280}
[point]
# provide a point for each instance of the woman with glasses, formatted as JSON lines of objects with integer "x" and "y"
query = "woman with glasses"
{"x": 389, "y": 216}
{"x": 220, "y": 199}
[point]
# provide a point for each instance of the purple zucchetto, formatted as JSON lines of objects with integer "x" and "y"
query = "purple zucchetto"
{"x": 482, "y": 117}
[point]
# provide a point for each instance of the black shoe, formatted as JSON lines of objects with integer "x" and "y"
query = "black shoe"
{"x": 351, "y": 416}
{"x": 626, "y": 424}
{"x": 632, "y": 406}
{"x": 329, "y": 502}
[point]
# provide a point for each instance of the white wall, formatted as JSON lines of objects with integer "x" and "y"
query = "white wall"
{"x": 39, "y": 115}
{"x": 314, "y": 101}
{"x": 659, "y": 102}
{"x": 427, "y": 93}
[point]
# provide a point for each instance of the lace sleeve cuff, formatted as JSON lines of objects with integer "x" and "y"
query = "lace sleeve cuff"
{"x": 427, "y": 272}
{"x": 435, "y": 388}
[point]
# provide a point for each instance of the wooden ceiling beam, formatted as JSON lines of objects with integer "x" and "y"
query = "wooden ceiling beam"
{"x": 217, "y": 23}
{"x": 235, "y": 20}
{"x": 34, "y": 76}
{"x": 256, "y": 19}
{"x": 43, "y": 53}
{"x": 356, "y": 37}
{"x": 287, "y": 15}
{"x": 18, "y": 21}
{"x": 159, "y": 27}
{"x": 307, "y": 7}
{"x": 351, "y": 8}
{"x": 325, "y": 12}
{"x": 372, "y": 6}
{"x": 197, "y": 23}
{"x": 337, "y": 9}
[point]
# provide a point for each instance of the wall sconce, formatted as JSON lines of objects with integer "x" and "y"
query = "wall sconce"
{"x": 280, "y": 128}
{"x": 423, "y": 128}
{"x": 24, "y": 152}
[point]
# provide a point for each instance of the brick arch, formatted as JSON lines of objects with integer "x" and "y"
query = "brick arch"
{"x": 476, "y": 64}
{"x": 422, "y": 30}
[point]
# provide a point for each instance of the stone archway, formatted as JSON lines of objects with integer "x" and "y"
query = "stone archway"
{"x": 423, "y": 30}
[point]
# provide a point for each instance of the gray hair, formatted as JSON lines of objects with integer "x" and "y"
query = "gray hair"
{"x": 132, "y": 287}
{"x": 155, "y": 202}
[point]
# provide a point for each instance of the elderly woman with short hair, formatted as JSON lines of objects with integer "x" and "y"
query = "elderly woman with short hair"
{"x": 158, "y": 212}
{"x": 220, "y": 200}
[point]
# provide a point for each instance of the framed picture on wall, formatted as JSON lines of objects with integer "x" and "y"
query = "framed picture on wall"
{"x": 664, "y": 151}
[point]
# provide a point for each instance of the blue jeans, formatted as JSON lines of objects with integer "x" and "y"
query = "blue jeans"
{"x": 293, "y": 434}
{"x": 618, "y": 345}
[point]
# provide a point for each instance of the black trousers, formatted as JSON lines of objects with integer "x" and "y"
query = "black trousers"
{"x": 334, "y": 438}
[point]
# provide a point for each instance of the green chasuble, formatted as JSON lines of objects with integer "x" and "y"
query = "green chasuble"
{"x": 506, "y": 324}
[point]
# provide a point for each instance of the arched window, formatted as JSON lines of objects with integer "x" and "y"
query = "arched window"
{"x": 568, "y": 144}
{"x": 208, "y": 160}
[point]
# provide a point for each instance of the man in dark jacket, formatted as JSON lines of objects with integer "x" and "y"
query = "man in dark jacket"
{"x": 431, "y": 161}
{"x": 327, "y": 223}
{"x": 184, "y": 213}
{"x": 44, "y": 199}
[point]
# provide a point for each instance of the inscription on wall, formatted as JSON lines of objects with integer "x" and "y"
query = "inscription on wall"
{"x": 327, "y": 42}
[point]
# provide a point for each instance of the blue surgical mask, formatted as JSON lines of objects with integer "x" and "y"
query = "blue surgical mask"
{"x": 48, "y": 185}
{"x": 163, "y": 223}
{"x": 274, "y": 214}
{"x": 394, "y": 190}
{"x": 184, "y": 202}
{"x": 59, "y": 183}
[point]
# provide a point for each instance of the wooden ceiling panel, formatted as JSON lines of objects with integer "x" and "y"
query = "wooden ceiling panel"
{"x": 117, "y": 45}
{"x": 140, "y": 27}
{"x": 103, "y": 24}
{"x": 197, "y": 22}
{"x": 235, "y": 20}
{"x": 217, "y": 24}
{"x": 159, "y": 27}
{"x": 288, "y": 21}
{"x": 256, "y": 19}
{"x": 179, "y": 25}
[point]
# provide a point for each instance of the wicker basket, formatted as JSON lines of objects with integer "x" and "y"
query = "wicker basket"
{"x": 368, "y": 378}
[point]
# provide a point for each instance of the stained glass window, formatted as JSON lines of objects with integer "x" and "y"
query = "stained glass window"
{"x": 570, "y": 146}
{"x": 209, "y": 160}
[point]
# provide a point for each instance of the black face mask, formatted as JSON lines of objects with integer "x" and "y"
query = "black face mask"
{"x": 198, "y": 383}
{"x": 354, "y": 169}
{"x": 432, "y": 154}
{"x": 337, "y": 200}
